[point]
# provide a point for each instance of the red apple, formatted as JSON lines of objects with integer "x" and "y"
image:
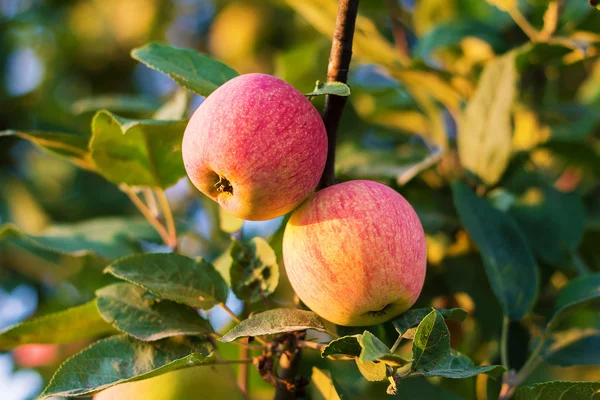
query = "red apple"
{"x": 257, "y": 146}
{"x": 355, "y": 253}
{"x": 36, "y": 355}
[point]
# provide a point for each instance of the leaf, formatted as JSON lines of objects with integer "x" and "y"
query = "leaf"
{"x": 71, "y": 325}
{"x": 372, "y": 371}
{"x": 134, "y": 311}
{"x": 577, "y": 293}
{"x": 279, "y": 320}
{"x": 254, "y": 270}
{"x": 346, "y": 346}
{"x": 485, "y": 131}
{"x": 573, "y": 347}
{"x": 325, "y": 88}
{"x": 56, "y": 260}
{"x": 357, "y": 162}
{"x": 228, "y": 222}
{"x": 453, "y": 32}
{"x": 372, "y": 347}
{"x": 374, "y": 350}
{"x": 114, "y": 103}
{"x": 110, "y": 238}
{"x": 328, "y": 388}
{"x": 66, "y": 145}
{"x": 558, "y": 390}
{"x": 432, "y": 355}
{"x": 137, "y": 152}
{"x": 190, "y": 69}
{"x": 121, "y": 359}
{"x": 176, "y": 108}
{"x": 173, "y": 277}
{"x": 509, "y": 264}
{"x": 431, "y": 343}
{"x": 554, "y": 227}
{"x": 412, "y": 318}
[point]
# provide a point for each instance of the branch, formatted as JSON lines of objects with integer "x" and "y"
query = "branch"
{"x": 148, "y": 214}
{"x": 168, "y": 214}
{"x": 337, "y": 71}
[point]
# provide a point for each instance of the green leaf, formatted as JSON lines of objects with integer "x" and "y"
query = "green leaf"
{"x": 176, "y": 108}
{"x": 66, "y": 145}
{"x": 121, "y": 359}
{"x": 485, "y": 131}
{"x": 114, "y": 103}
{"x": 412, "y": 318}
{"x": 228, "y": 222}
{"x": 254, "y": 270}
{"x": 134, "y": 311}
{"x": 275, "y": 321}
{"x": 558, "y": 390}
{"x": 74, "y": 324}
{"x": 335, "y": 88}
{"x": 432, "y": 355}
{"x": 372, "y": 371}
{"x": 372, "y": 347}
{"x": 190, "y": 69}
{"x": 554, "y": 227}
{"x": 509, "y": 264}
{"x": 577, "y": 293}
{"x": 57, "y": 259}
{"x": 110, "y": 238}
{"x": 359, "y": 163}
{"x": 173, "y": 277}
{"x": 137, "y": 152}
{"x": 431, "y": 343}
{"x": 327, "y": 387}
{"x": 345, "y": 345}
{"x": 452, "y": 32}
{"x": 573, "y": 347}
{"x": 374, "y": 350}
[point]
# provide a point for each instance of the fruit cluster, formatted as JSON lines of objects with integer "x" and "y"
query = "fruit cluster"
{"x": 354, "y": 252}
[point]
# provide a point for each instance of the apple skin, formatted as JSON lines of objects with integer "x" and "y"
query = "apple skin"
{"x": 264, "y": 139}
{"x": 355, "y": 253}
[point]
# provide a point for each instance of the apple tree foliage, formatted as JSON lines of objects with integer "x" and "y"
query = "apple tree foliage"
{"x": 470, "y": 123}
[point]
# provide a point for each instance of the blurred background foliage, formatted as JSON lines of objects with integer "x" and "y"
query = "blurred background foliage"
{"x": 416, "y": 65}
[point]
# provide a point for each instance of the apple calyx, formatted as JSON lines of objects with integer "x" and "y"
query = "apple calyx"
{"x": 379, "y": 313}
{"x": 223, "y": 185}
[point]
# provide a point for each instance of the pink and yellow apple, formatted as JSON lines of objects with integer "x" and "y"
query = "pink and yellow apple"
{"x": 355, "y": 253}
{"x": 257, "y": 146}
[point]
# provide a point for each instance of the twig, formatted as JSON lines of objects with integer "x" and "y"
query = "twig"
{"x": 399, "y": 30}
{"x": 231, "y": 313}
{"x": 504, "y": 343}
{"x": 522, "y": 23}
{"x": 146, "y": 212}
{"x": 534, "y": 360}
{"x": 337, "y": 71}
{"x": 151, "y": 201}
{"x": 243, "y": 372}
{"x": 288, "y": 383}
{"x": 242, "y": 361}
{"x": 396, "y": 344}
{"x": 311, "y": 345}
{"x": 551, "y": 17}
{"x": 168, "y": 214}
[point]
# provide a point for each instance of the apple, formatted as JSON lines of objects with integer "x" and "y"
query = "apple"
{"x": 257, "y": 146}
{"x": 355, "y": 253}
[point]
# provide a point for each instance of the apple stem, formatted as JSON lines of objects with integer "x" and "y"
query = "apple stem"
{"x": 337, "y": 71}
